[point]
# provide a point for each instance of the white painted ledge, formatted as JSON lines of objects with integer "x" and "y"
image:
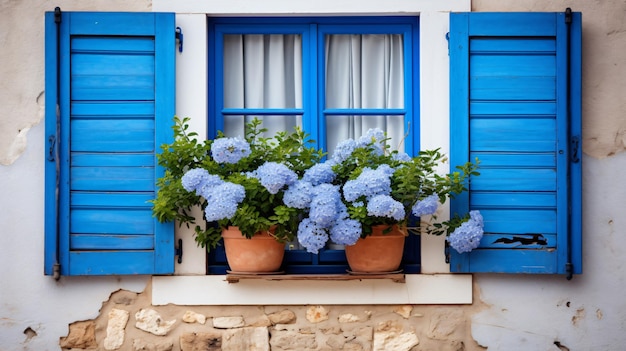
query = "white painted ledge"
{"x": 215, "y": 290}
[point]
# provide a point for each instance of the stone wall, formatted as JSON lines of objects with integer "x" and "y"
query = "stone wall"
{"x": 127, "y": 321}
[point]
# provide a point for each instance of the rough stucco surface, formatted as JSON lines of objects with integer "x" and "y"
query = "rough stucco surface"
{"x": 604, "y": 72}
{"x": 22, "y": 69}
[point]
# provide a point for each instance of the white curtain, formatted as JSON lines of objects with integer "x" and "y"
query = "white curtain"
{"x": 362, "y": 71}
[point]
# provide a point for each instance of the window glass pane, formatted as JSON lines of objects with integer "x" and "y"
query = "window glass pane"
{"x": 234, "y": 126}
{"x": 364, "y": 71}
{"x": 262, "y": 71}
{"x": 340, "y": 128}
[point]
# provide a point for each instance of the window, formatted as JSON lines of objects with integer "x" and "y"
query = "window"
{"x": 334, "y": 77}
{"x": 514, "y": 102}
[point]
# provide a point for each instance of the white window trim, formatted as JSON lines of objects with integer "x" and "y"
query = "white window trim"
{"x": 435, "y": 285}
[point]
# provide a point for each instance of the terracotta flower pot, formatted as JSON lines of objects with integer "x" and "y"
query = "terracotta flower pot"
{"x": 378, "y": 252}
{"x": 260, "y": 254}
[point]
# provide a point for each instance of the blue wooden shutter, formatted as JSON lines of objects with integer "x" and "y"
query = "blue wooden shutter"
{"x": 112, "y": 77}
{"x": 515, "y": 105}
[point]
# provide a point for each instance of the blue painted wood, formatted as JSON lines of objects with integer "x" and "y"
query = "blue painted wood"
{"x": 512, "y": 135}
{"x": 113, "y": 45}
{"x": 112, "y": 221}
{"x": 111, "y": 242}
{"x": 115, "y": 135}
{"x": 512, "y": 199}
{"x": 529, "y": 261}
{"x": 117, "y": 103}
{"x": 501, "y": 109}
{"x": 515, "y": 179}
{"x": 92, "y": 199}
{"x": 106, "y": 262}
{"x": 509, "y": 110}
{"x": 113, "y": 109}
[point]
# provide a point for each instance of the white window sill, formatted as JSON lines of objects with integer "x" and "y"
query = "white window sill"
{"x": 215, "y": 290}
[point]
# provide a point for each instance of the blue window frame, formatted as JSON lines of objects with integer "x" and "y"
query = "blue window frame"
{"x": 314, "y": 112}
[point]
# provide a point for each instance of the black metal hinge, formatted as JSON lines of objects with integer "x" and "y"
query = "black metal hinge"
{"x": 178, "y": 251}
{"x": 179, "y": 37}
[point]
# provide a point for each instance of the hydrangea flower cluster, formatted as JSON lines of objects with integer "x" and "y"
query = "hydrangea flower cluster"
{"x": 222, "y": 197}
{"x": 229, "y": 150}
{"x": 426, "y": 206}
{"x": 274, "y": 176}
{"x": 369, "y": 183}
{"x": 467, "y": 237}
{"x": 328, "y": 216}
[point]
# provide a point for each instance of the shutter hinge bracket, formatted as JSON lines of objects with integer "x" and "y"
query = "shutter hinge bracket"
{"x": 448, "y": 40}
{"x": 57, "y": 15}
{"x": 179, "y": 37}
{"x": 569, "y": 271}
{"x": 568, "y": 15}
{"x": 52, "y": 140}
{"x": 178, "y": 251}
{"x": 575, "y": 145}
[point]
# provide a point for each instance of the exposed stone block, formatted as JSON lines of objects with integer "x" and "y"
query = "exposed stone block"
{"x": 404, "y": 311}
{"x": 292, "y": 340}
{"x": 282, "y": 317}
{"x": 142, "y": 345}
{"x": 82, "y": 335}
{"x": 193, "y": 317}
{"x": 249, "y": 339}
{"x": 348, "y": 318}
{"x": 201, "y": 342}
{"x": 150, "y": 321}
{"x": 316, "y": 314}
{"x": 228, "y": 322}
{"x": 116, "y": 326}
{"x": 392, "y": 340}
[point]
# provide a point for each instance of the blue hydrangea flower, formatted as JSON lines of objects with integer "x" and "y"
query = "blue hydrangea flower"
{"x": 467, "y": 237}
{"x": 222, "y": 201}
{"x": 193, "y": 178}
{"x": 311, "y": 236}
{"x": 274, "y": 176}
{"x": 298, "y": 195}
{"x": 343, "y": 150}
{"x": 401, "y": 156}
{"x": 369, "y": 183}
{"x": 345, "y": 231}
{"x": 374, "y": 137}
{"x": 477, "y": 218}
{"x": 216, "y": 211}
{"x": 319, "y": 173}
{"x": 426, "y": 206}
{"x": 385, "y": 206}
{"x": 324, "y": 205}
{"x": 229, "y": 150}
